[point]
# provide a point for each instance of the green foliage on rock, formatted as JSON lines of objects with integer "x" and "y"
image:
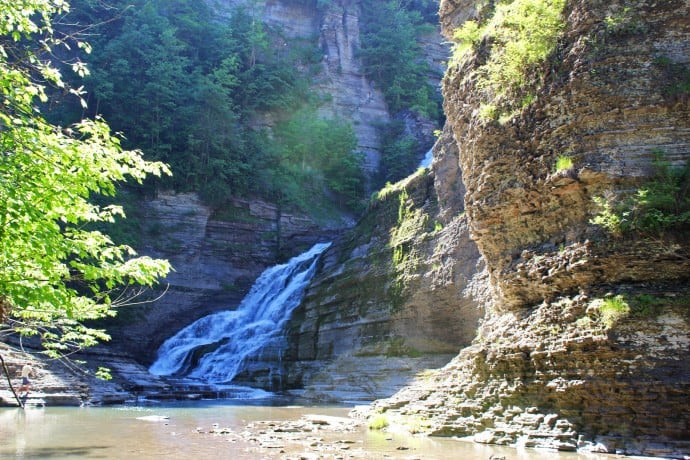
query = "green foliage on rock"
{"x": 519, "y": 36}
{"x": 407, "y": 223}
{"x": 56, "y": 273}
{"x": 623, "y": 21}
{"x": 563, "y": 163}
{"x": 612, "y": 309}
{"x": 660, "y": 205}
{"x": 378, "y": 422}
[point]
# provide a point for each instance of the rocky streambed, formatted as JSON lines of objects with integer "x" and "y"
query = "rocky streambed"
{"x": 214, "y": 429}
{"x": 149, "y": 417}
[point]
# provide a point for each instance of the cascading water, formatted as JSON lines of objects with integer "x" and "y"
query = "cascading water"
{"x": 427, "y": 160}
{"x": 215, "y": 348}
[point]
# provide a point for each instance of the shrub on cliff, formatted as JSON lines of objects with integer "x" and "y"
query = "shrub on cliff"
{"x": 520, "y": 35}
{"x": 660, "y": 205}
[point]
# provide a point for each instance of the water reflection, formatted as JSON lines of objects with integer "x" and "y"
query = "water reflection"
{"x": 182, "y": 432}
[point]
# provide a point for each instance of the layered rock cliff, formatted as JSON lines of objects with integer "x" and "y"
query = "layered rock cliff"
{"x": 402, "y": 285}
{"x": 585, "y": 341}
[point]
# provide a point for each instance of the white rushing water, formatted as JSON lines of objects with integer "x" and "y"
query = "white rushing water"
{"x": 427, "y": 160}
{"x": 214, "y": 348}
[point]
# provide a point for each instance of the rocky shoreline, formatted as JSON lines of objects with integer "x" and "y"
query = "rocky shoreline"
{"x": 312, "y": 436}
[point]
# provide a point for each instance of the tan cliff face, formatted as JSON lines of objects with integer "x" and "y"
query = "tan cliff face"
{"x": 585, "y": 343}
{"x": 603, "y": 105}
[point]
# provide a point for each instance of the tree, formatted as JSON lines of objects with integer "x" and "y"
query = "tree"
{"x": 392, "y": 56}
{"x": 56, "y": 272}
{"x": 139, "y": 81}
{"x": 319, "y": 153}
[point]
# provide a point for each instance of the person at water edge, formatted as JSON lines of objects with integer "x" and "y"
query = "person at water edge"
{"x": 27, "y": 371}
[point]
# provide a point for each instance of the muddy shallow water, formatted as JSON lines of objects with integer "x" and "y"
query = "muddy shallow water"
{"x": 221, "y": 429}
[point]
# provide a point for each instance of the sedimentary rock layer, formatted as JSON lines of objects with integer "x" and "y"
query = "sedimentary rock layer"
{"x": 552, "y": 365}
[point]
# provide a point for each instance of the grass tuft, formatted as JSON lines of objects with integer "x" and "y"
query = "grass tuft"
{"x": 378, "y": 422}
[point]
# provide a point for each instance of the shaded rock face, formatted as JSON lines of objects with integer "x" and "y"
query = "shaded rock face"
{"x": 336, "y": 30}
{"x": 552, "y": 364}
{"x": 354, "y": 97}
{"x": 403, "y": 283}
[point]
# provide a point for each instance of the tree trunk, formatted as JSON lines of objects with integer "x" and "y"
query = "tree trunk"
{"x": 9, "y": 382}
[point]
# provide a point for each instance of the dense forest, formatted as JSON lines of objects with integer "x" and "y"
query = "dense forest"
{"x": 391, "y": 57}
{"x": 193, "y": 89}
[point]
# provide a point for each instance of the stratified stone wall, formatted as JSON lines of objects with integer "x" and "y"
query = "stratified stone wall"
{"x": 551, "y": 365}
{"x": 404, "y": 284}
{"x": 605, "y": 104}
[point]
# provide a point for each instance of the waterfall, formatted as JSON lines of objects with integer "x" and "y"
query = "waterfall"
{"x": 427, "y": 160}
{"x": 215, "y": 348}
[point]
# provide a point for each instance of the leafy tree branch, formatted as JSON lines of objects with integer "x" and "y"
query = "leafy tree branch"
{"x": 55, "y": 272}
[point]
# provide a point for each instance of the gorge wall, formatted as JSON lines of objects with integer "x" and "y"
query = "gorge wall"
{"x": 217, "y": 254}
{"x": 352, "y": 94}
{"x": 570, "y": 337}
{"x": 335, "y": 29}
{"x": 585, "y": 341}
{"x": 395, "y": 296}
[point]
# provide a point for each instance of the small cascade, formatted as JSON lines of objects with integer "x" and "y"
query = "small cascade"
{"x": 427, "y": 160}
{"x": 217, "y": 347}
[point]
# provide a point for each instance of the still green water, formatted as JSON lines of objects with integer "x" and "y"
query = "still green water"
{"x": 120, "y": 433}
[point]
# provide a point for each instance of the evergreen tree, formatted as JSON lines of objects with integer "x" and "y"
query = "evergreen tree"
{"x": 393, "y": 59}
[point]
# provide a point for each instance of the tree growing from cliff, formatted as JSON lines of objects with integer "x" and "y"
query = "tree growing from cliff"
{"x": 392, "y": 56}
{"x": 56, "y": 272}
